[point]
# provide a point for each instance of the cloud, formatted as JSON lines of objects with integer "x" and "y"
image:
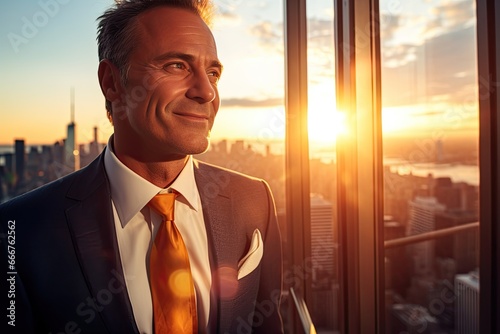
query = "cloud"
{"x": 426, "y": 58}
{"x": 450, "y": 15}
{"x": 320, "y": 33}
{"x": 228, "y": 5}
{"x": 227, "y": 14}
{"x": 389, "y": 24}
{"x": 397, "y": 50}
{"x": 321, "y": 51}
{"x": 399, "y": 54}
{"x": 428, "y": 113}
{"x": 246, "y": 102}
{"x": 444, "y": 69}
{"x": 269, "y": 34}
{"x": 455, "y": 14}
{"x": 257, "y": 4}
{"x": 226, "y": 17}
{"x": 398, "y": 31}
{"x": 320, "y": 43}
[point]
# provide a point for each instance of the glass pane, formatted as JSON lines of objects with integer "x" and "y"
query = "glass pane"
{"x": 430, "y": 136}
{"x": 248, "y": 134}
{"x": 46, "y": 131}
{"x": 324, "y": 124}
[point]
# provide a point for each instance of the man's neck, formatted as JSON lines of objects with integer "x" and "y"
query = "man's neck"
{"x": 159, "y": 173}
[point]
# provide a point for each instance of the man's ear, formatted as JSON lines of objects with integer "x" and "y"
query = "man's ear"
{"x": 110, "y": 80}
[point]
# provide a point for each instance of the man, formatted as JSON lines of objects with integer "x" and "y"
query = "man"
{"x": 80, "y": 247}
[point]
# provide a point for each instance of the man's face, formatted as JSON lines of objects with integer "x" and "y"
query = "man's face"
{"x": 170, "y": 98}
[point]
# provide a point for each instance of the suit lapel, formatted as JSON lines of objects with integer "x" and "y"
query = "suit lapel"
{"x": 217, "y": 209}
{"x": 90, "y": 221}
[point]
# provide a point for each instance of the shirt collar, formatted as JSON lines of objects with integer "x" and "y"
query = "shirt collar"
{"x": 130, "y": 192}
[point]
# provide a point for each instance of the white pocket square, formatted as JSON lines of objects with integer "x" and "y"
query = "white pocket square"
{"x": 252, "y": 259}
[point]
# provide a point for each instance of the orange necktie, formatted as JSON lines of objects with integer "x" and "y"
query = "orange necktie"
{"x": 172, "y": 286}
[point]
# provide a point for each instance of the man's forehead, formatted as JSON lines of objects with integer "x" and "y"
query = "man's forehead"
{"x": 172, "y": 16}
{"x": 171, "y": 22}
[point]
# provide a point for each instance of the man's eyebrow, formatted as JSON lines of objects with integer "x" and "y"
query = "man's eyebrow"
{"x": 186, "y": 57}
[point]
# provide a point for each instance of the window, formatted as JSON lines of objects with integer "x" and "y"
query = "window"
{"x": 430, "y": 122}
{"x": 398, "y": 66}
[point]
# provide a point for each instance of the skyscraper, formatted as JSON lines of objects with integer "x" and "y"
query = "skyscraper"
{"x": 462, "y": 247}
{"x": 324, "y": 262}
{"x": 70, "y": 150}
{"x": 322, "y": 236}
{"x": 20, "y": 153}
{"x": 422, "y": 219}
{"x": 71, "y": 158}
{"x": 9, "y": 162}
{"x": 467, "y": 303}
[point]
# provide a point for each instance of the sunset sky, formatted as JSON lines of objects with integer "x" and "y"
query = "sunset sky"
{"x": 46, "y": 50}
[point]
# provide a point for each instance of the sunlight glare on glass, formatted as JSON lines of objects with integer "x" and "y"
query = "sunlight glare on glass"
{"x": 325, "y": 125}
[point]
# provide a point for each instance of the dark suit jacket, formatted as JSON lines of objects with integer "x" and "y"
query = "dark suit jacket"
{"x": 69, "y": 274}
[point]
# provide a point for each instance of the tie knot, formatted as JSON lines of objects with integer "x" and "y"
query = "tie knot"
{"x": 164, "y": 205}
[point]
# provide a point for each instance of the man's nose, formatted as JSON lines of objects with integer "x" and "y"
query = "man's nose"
{"x": 201, "y": 88}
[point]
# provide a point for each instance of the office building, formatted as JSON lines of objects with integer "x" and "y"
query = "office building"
{"x": 322, "y": 241}
{"x": 467, "y": 303}
{"x": 70, "y": 148}
{"x": 462, "y": 247}
{"x": 71, "y": 153}
{"x": 20, "y": 161}
{"x": 324, "y": 262}
{"x": 422, "y": 211}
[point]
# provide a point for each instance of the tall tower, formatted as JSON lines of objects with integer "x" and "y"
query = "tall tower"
{"x": 462, "y": 247}
{"x": 422, "y": 219}
{"x": 325, "y": 292}
{"x": 71, "y": 155}
{"x": 467, "y": 303}
{"x": 20, "y": 160}
{"x": 322, "y": 239}
{"x": 439, "y": 150}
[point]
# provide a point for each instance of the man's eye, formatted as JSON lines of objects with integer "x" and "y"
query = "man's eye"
{"x": 175, "y": 66}
{"x": 215, "y": 76}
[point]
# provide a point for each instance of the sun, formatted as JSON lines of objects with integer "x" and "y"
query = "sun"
{"x": 325, "y": 122}
{"x": 325, "y": 126}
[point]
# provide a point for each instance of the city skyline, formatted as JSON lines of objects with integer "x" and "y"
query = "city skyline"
{"x": 460, "y": 200}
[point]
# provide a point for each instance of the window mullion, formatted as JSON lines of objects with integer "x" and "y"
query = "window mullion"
{"x": 488, "y": 43}
{"x": 297, "y": 145}
{"x": 360, "y": 164}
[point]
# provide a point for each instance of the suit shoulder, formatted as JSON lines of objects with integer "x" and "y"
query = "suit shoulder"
{"x": 53, "y": 192}
{"x": 46, "y": 191}
{"x": 229, "y": 183}
{"x": 205, "y": 167}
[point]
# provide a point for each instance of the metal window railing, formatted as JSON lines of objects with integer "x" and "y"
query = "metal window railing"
{"x": 430, "y": 235}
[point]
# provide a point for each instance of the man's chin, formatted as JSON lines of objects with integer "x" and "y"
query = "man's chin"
{"x": 200, "y": 147}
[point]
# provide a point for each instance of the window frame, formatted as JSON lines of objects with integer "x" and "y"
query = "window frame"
{"x": 488, "y": 40}
{"x": 297, "y": 187}
{"x": 360, "y": 165}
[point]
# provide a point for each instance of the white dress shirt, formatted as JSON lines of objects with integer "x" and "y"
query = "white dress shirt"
{"x": 136, "y": 225}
